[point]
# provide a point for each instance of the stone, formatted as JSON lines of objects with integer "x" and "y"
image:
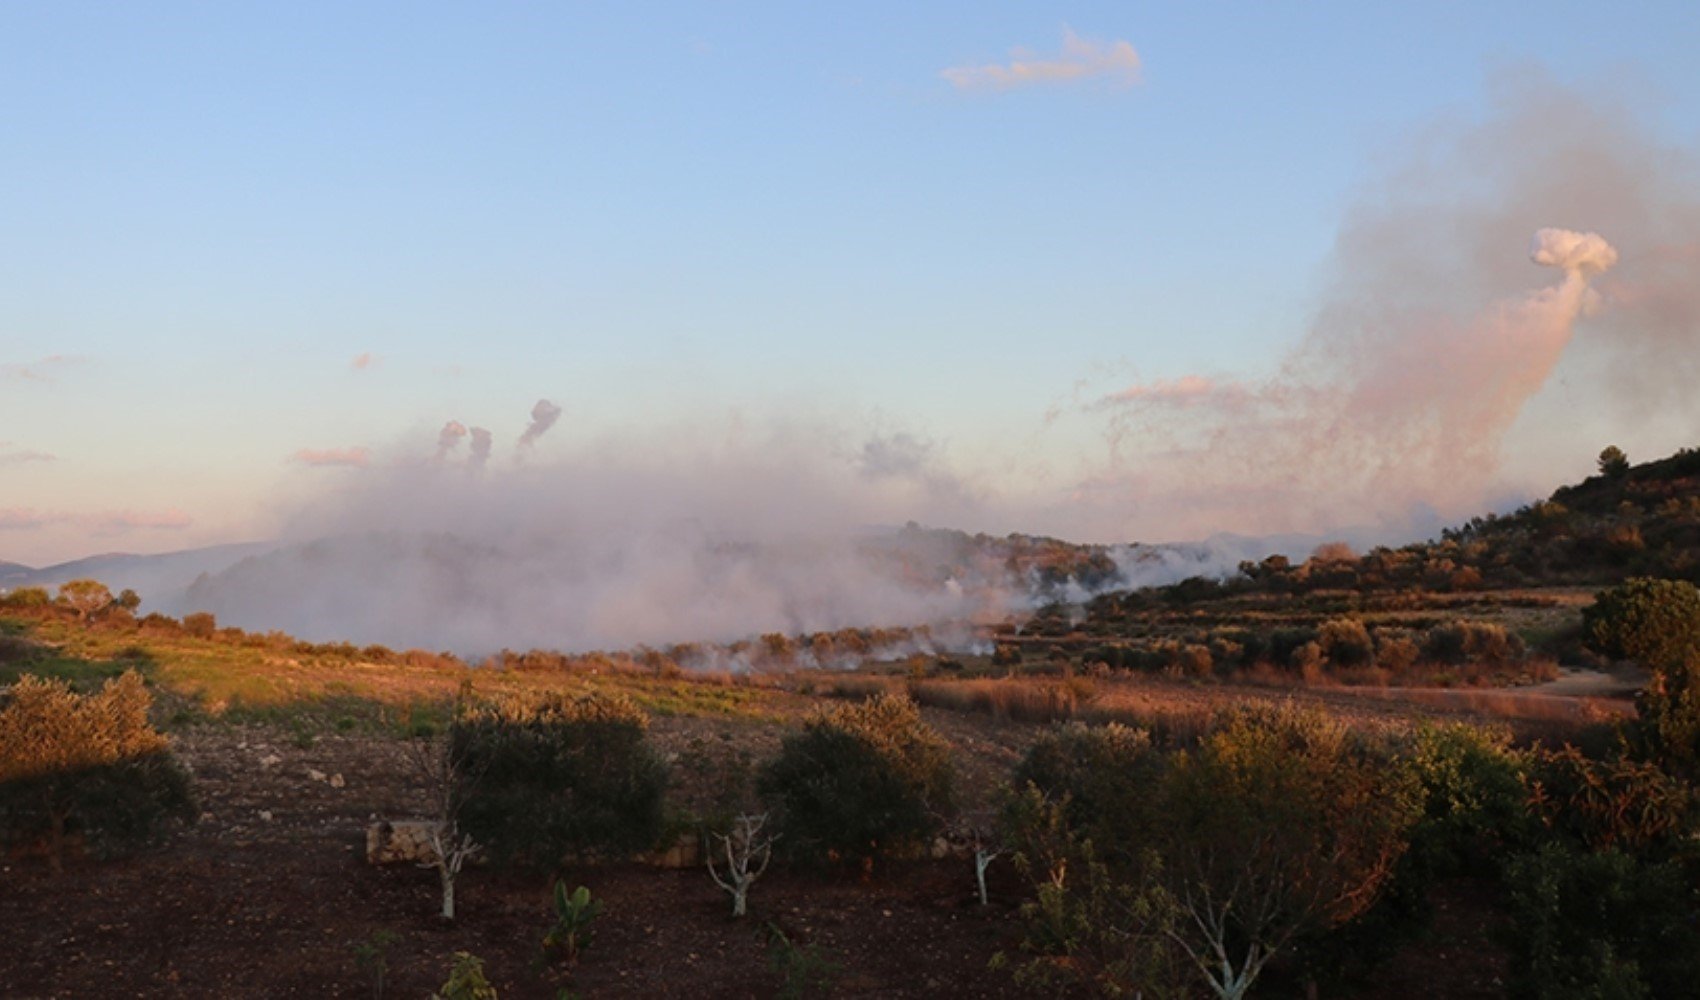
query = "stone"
{"x": 407, "y": 840}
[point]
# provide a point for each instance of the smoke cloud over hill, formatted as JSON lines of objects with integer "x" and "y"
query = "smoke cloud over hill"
{"x": 1492, "y": 252}
{"x": 1434, "y": 334}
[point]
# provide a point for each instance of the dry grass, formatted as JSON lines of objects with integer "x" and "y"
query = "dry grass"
{"x": 1011, "y": 699}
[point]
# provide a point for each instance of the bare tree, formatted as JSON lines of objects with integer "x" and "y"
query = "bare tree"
{"x": 748, "y": 852}
{"x": 447, "y": 782}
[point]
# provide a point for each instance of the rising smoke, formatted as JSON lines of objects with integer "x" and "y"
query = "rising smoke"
{"x": 1433, "y": 336}
{"x": 1433, "y": 333}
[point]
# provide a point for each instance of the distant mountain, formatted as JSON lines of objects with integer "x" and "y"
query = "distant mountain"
{"x": 162, "y": 580}
{"x": 10, "y": 571}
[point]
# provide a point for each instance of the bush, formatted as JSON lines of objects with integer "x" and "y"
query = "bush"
{"x": 1346, "y": 643}
{"x": 859, "y": 781}
{"x": 1601, "y": 925}
{"x": 1104, "y": 778}
{"x": 86, "y": 767}
{"x": 200, "y": 624}
{"x": 1656, "y": 623}
{"x": 558, "y": 776}
{"x": 25, "y": 599}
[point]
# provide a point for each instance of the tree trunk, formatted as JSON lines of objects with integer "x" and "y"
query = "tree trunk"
{"x": 448, "y": 892}
{"x": 738, "y": 900}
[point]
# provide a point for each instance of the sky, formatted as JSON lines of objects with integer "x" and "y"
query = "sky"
{"x": 1056, "y": 267}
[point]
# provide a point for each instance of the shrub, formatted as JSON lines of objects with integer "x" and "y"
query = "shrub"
{"x": 200, "y": 624}
{"x": 1474, "y": 799}
{"x": 1622, "y": 803}
{"x": 1104, "y": 778}
{"x": 1653, "y": 622}
{"x": 859, "y": 780}
{"x": 575, "y": 912}
{"x": 1281, "y": 823}
{"x": 1601, "y": 925}
{"x": 88, "y": 766}
{"x": 25, "y": 598}
{"x": 558, "y": 776}
{"x": 466, "y": 980}
{"x": 1346, "y": 643}
{"x": 86, "y": 597}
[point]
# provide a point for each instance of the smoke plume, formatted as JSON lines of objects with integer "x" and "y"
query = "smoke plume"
{"x": 449, "y": 438}
{"x": 543, "y": 417}
{"x": 1433, "y": 336}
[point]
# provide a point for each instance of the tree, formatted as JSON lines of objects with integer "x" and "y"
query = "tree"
{"x": 748, "y": 852}
{"x": 859, "y": 780}
{"x": 1614, "y": 464}
{"x": 559, "y": 776}
{"x": 448, "y": 781}
{"x": 1656, "y": 623}
{"x": 1279, "y": 823}
{"x": 86, "y": 597}
{"x": 88, "y": 765}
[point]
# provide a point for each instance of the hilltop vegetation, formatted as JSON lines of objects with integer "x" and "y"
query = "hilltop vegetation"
{"x": 1218, "y": 787}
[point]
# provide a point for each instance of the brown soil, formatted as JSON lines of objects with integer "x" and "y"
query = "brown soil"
{"x": 269, "y": 894}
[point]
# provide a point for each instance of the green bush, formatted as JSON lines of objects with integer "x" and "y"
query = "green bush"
{"x": 859, "y": 781}
{"x": 86, "y": 768}
{"x": 1104, "y": 778}
{"x": 1603, "y": 924}
{"x": 26, "y": 598}
{"x": 1346, "y": 643}
{"x": 557, "y": 777}
{"x": 1656, "y": 623}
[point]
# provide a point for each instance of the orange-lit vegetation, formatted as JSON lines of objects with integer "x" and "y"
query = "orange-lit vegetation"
{"x": 1199, "y": 788}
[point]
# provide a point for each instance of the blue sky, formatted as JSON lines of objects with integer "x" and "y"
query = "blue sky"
{"x": 661, "y": 213}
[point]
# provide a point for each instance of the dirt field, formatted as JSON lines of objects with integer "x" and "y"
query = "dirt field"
{"x": 269, "y": 894}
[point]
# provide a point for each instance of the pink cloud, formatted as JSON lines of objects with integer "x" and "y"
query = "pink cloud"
{"x": 119, "y": 521}
{"x": 356, "y": 457}
{"x": 40, "y": 370}
{"x": 1186, "y": 391}
{"x": 25, "y": 518}
{"x": 13, "y": 455}
{"x": 1080, "y": 59}
{"x": 364, "y": 361}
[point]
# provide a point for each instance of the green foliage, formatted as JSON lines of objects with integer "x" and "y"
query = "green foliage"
{"x": 1474, "y": 799}
{"x": 1656, "y": 623}
{"x": 1617, "y": 803}
{"x": 1614, "y": 464}
{"x": 859, "y": 781}
{"x": 372, "y": 957}
{"x": 85, "y": 766}
{"x": 559, "y": 776}
{"x": 86, "y": 597}
{"x": 804, "y": 970}
{"x": 575, "y": 912}
{"x": 25, "y": 599}
{"x": 1602, "y": 924}
{"x": 1090, "y": 927}
{"x": 1279, "y": 823}
{"x": 200, "y": 624}
{"x": 1346, "y": 643}
{"x": 466, "y": 980}
{"x": 1105, "y": 779}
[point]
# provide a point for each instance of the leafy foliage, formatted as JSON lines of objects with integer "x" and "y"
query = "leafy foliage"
{"x": 1656, "y": 623}
{"x": 575, "y": 912}
{"x": 558, "y": 776}
{"x": 466, "y": 980}
{"x": 1602, "y": 924}
{"x": 85, "y": 765}
{"x": 859, "y": 780}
